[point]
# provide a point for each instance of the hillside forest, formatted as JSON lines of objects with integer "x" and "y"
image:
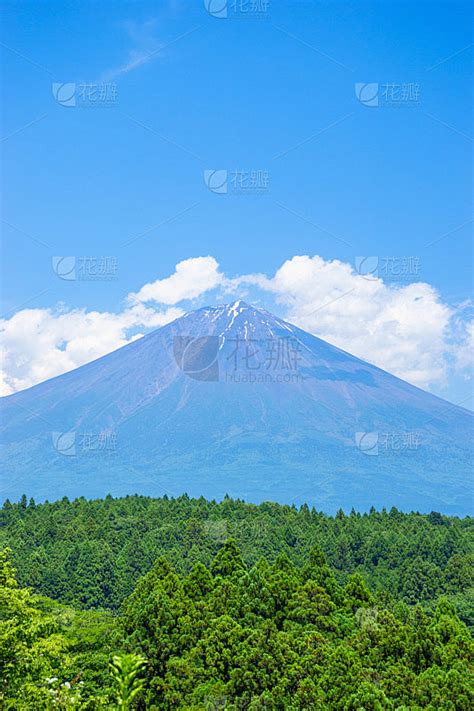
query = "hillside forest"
{"x": 140, "y": 603}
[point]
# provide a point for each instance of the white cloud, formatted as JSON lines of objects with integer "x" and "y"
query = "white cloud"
{"x": 407, "y": 330}
{"x": 38, "y": 344}
{"x": 463, "y": 342}
{"x": 191, "y": 278}
{"x": 401, "y": 329}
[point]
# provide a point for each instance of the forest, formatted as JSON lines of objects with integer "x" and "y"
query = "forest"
{"x": 141, "y": 603}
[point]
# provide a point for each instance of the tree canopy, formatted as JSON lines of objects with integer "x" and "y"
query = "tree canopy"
{"x": 296, "y": 610}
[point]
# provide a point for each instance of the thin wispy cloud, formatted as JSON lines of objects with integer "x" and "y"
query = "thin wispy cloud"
{"x": 145, "y": 48}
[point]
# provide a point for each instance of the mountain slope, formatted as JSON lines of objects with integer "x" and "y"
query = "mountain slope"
{"x": 232, "y": 399}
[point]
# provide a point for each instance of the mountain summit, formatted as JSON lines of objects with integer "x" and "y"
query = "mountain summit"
{"x": 232, "y": 399}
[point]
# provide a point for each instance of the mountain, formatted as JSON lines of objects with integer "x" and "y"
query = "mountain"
{"x": 234, "y": 400}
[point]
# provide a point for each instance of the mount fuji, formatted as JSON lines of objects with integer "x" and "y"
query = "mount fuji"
{"x": 234, "y": 400}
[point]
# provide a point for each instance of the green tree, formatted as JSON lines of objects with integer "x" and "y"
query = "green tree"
{"x": 127, "y": 672}
{"x": 32, "y": 647}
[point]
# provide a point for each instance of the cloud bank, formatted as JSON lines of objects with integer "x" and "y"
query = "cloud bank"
{"x": 405, "y": 329}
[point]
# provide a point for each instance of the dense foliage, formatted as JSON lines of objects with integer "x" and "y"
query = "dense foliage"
{"x": 188, "y": 604}
{"x": 232, "y": 637}
{"x": 50, "y": 655}
{"x": 90, "y": 554}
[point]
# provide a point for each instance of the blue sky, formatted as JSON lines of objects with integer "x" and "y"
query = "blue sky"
{"x": 269, "y": 93}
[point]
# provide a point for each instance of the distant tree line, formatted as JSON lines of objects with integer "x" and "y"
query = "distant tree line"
{"x": 90, "y": 554}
